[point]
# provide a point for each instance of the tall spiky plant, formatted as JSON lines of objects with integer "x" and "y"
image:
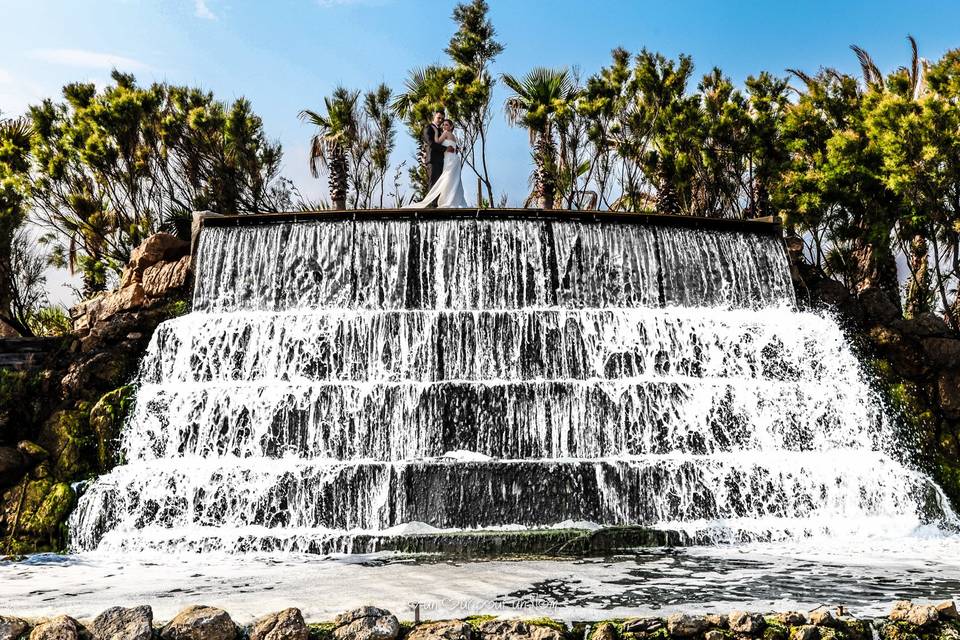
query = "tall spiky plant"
{"x": 538, "y": 98}
{"x": 336, "y": 132}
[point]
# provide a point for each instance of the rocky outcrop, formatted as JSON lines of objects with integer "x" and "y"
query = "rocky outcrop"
{"x": 444, "y": 630}
{"x": 200, "y": 623}
{"x": 119, "y": 623}
{"x": 906, "y": 621}
{"x": 59, "y": 628}
{"x": 283, "y": 625}
{"x": 366, "y": 623}
{"x": 916, "y": 360}
{"x": 59, "y": 421}
{"x": 517, "y": 630}
{"x": 12, "y": 628}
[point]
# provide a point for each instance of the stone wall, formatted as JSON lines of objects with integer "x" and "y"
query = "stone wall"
{"x": 915, "y": 361}
{"x": 59, "y": 419}
{"x": 906, "y": 621}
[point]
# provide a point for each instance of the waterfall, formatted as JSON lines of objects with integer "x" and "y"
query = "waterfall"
{"x": 338, "y": 378}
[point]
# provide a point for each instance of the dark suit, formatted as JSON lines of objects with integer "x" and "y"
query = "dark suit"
{"x": 433, "y": 152}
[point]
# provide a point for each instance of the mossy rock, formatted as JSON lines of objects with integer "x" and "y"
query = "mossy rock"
{"x": 106, "y": 420}
{"x": 67, "y": 436}
{"x": 321, "y": 630}
{"x": 34, "y": 512}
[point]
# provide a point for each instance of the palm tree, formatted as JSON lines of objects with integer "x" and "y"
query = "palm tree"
{"x": 336, "y": 132}
{"x": 537, "y": 99}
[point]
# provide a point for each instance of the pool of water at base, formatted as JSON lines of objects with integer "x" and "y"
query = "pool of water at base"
{"x": 865, "y": 576}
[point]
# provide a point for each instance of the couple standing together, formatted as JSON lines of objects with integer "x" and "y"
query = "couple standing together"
{"x": 442, "y": 158}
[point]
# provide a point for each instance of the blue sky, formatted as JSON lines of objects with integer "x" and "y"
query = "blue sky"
{"x": 286, "y": 55}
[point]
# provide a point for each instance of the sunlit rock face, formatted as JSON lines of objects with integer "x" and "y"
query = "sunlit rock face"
{"x": 348, "y": 377}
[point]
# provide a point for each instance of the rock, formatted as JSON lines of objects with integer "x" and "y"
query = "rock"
{"x": 65, "y": 435}
{"x": 366, "y": 623}
{"x": 517, "y": 630}
{"x": 12, "y": 466}
{"x": 12, "y": 628}
{"x": 446, "y": 630}
{"x": 947, "y": 610}
{"x": 118, "y": 623}
{"x": 32, "y": 452}
{"x": 283, "y": 625}
{"x": 746, "y": 623}
{"x": 790, "y": 618}
{"x": 158, "y": 247}
{"x": 642, "y": 625}
{"x": 922, "y": 615}
{"x": 718, "y": 620}
{"x": 878, "y": 306}
{"x": 35, "y": 508}
{"x": 59, "y": 628}
{"x": 200, "y": 623}
{"x": 948, "y": 388}
{"x": 805, "y": 632}
{"x": 821, "y": 617}
{"x": 942, "y": 352}
{"x": 900, "y": 610}
{"x": 106, "y": 418}
{"x": 713, "y": 634}
{"x": 162, "y": 278}
{"x": 682, "y": 625}
{"x": 604, "y": 631}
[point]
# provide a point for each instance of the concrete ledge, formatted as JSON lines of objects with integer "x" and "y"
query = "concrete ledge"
{"x": 769, "y": 225}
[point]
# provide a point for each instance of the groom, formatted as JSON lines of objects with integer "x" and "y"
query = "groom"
{"x": 433, "y": 150}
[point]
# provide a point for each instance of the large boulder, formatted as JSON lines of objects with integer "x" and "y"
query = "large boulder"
{"x": 34, "y": 509}
{"x": 283, "y": 625}
{"x": 683, "y": 625}
{"x": 160, "y": 247}
{"x": 12, "y": 466}
{"x": 445, "y": 630}
{"x": 790, "y": 618}
{"x": 605, "y": 631}
{"x": 119, "y": 623}
{"x": 12, "y": 628}
{"x": 947, "y": 610}
{"x": 366, "y": 623}
{"x": 822, "y": 617}
{"x": 59, "y": 628}
{"x": 746, "y": 623}
{"x": 200, "y": 623}
{"x": 161, "y": 278}
{"x": 517, "y": 630}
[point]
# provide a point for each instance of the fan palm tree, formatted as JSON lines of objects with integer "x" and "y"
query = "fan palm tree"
{"x": 337, "y": 130}
{"x": 538, "y": 98}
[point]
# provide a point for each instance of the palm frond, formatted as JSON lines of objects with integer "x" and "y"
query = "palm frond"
{"x": 871, "y": 73}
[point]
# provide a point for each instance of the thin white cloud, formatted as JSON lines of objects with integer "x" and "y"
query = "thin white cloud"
{"x": 202, "y": 10}
{"x": 88, "y": 59}
{"x": 5, "y": 77}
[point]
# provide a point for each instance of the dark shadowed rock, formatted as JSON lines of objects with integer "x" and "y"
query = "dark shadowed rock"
{"x": 746, "y": 623}
{"x": 878, "y": 307}
{"x": 32, "y": 452}
{"x": 366, "y": 623}
{"x": 718, "y": 620}
{"x": 12, "y": 628}
{"x": 683, "y": 625}
{"x": 446, "y": 630}
{"x": 118, "y": 623}
{"x": 12, "y": 466}
{"x": 714, "y": 634}
{"x": 283, "y": 625}
{"x": 517, "y": 630}
{"x": 59, "y": 628}
{"x": 948, "y": 388}
{"x": 200, "y": 623}
{"x": 947, "y": 610}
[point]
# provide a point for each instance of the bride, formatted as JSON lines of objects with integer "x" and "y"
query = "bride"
{"x": 448, "y": 189}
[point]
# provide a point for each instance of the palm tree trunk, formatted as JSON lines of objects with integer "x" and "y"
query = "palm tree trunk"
{"x": 339, "y": 176}
{"x": 545, "y": 180}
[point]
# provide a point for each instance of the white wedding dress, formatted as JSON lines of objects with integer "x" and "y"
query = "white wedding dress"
{"x": 448, "y": 190}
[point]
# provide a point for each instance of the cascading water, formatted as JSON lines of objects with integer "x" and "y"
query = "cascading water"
{"x": 340, "y": 377}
